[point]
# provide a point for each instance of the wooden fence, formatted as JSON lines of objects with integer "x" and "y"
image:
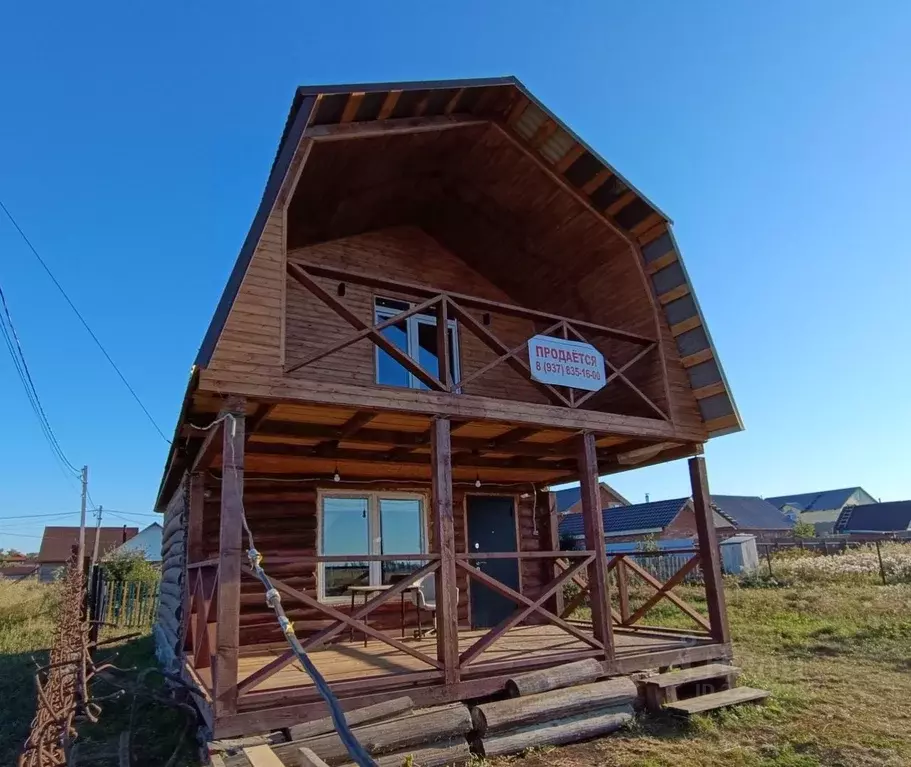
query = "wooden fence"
{"x": 123, "y": 604}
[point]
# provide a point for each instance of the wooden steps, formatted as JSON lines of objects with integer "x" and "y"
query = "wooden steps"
{"x": 703, "y": 703}
{"x": 687, "y": 683}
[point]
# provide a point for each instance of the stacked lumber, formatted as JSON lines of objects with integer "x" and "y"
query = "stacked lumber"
{"x": 393, "y": 731}
{"x": 555, "y": 716}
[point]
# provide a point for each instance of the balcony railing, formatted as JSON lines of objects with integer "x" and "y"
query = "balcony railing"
{"x": 446, "y": 305}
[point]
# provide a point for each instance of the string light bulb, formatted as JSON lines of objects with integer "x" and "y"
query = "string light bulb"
{"x": 477, "y": 480}
{"x": 336, "y": 477}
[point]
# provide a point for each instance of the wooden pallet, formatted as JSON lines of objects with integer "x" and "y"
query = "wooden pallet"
{"x": 723, "y": 699}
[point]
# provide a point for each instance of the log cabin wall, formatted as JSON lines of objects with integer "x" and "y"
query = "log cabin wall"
{"x": 173, "y": 571}
{"x": 284, "y": 523}
{"x": 410, "y": 255}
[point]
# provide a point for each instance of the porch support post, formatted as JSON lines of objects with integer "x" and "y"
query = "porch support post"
{"x": 594, "y": 541}
{"x": 444, "y": 544}
{"x": 229, "y": 552}
{"x": 709, "y": 552}
{"x": 196, "y": 501}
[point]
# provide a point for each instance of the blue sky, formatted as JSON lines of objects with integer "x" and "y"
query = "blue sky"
{"x": 136, "y": 139}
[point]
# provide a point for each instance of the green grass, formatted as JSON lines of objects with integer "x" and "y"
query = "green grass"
{"x": 837, "y": 658}
{"x": 27, "y": 611}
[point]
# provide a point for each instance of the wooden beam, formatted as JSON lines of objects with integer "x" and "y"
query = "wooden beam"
{"x": 467, "y": 301}
{"x": 255, "y": 421}
{"x": 209, "y": 448}
{"x": 661, "y": 262}
{"x": 594, "y": 540}
{"x": 722, "y": 422}
{"x": 697, "y": 358}
{"x": 401, "y": 455}
{"x": 498, "y": 347}
{"x": 396, "y": 127}
{"x": 451, "y": 104}
{"x": 356, "y": 322}
{"x": 598, "y": 180}
{"x": 229, "y": 552}
{"x": 573, "y": 154}
{"x": 709, "y": 391}
{"x": 351, "y": 107}
{"x": 542, "y": 134}
{"x": 465, "y": 406}
{"x": 709, "y": 551}
{"x": 517, "y": 110}
{"x": 674, "y": 293}
{"x": 679, "y": 328}
{"x": 195, "y": 502}
{"x": 444, "y": 544}
{"x": 621, "y": 202}
{"x": 392, "y": 98}
{"x": 443, "y": 360}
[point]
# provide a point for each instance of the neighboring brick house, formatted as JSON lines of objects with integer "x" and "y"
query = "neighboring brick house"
{"x": 57, "y": 545}
{"x": 822, "y": 508}
{"x": 569, "y": 500}
{"x": 676, "y": 519}
{"x": 17, "y": 566}
{"x": 890, "y": 517}
{"x": 673, "y": 518}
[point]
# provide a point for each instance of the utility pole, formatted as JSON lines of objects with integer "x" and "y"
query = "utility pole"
{"x": 81, "y": 551}
{"x": 97, "y": 537}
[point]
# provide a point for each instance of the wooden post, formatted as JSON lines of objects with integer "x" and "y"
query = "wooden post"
{"x": 879, "y": 556}
{"x": 594, "y": 541}
{"x": 195, "y": 503}
{"x": 444, "y": 544}
{"x": 230, "y": 539}
{"x": 623, "y": 589}
{"x": 445, "y": 373}
{"x": 553, "y": 528}
{"x": 709, "y": 552}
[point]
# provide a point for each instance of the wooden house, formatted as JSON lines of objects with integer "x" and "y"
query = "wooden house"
{"x": 407, "y": 354}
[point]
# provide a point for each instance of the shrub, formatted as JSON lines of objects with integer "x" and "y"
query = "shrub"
{"x": 130, "y": 566}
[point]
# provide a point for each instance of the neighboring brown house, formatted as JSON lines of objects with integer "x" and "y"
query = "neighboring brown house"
{"x": 17, "y": 566}
{"x": 57, "y": 545}
{"x": 569, "y": 500}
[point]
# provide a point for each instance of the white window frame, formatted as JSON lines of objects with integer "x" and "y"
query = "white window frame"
{"x": 373, "y": 527}
{"x": 383, "y": 313}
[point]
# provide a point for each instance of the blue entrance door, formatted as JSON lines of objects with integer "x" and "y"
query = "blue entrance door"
{"x": 492, "y": 527}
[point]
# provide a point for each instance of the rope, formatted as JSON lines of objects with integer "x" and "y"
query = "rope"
{"x": 355, "y": 750}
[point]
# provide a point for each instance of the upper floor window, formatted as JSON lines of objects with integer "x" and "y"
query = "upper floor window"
{"x": 417, "y": 337}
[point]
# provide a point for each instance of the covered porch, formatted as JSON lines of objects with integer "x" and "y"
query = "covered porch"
{"x": 250, "y": 680}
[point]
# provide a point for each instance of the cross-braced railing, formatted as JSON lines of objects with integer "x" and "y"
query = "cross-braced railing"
{"x": 527, "y": 606}
{"x": 446, "y": 305}
{"x": 357, "y": 620}
{"x": 201, "y": 609}
{"x": 621, "y": 566}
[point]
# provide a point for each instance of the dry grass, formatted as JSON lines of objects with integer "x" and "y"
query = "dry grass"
{"x": 27, "y": 612}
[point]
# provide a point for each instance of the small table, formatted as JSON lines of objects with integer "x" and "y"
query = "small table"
{"x": 369, "y": 590}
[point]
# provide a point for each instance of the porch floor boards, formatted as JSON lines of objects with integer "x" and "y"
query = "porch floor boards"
{"x": 346, "y": 660}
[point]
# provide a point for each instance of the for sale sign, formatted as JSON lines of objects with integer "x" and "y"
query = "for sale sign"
{"x": 561, "y": 362}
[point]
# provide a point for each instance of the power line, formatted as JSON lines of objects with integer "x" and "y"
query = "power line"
{"x": 84, "y": 323}
{"x": 41, "y": 516}
{"x": 14, "y": 346}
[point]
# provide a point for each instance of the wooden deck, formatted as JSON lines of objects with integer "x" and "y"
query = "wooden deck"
{"x": 347, "y": 661}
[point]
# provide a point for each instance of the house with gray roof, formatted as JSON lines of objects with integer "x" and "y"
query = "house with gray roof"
{"x": 569, "y": 499}
{"x": 890, "y": 517}
{"x": 821, "y": 508}
{"x": 676, "y": 519}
